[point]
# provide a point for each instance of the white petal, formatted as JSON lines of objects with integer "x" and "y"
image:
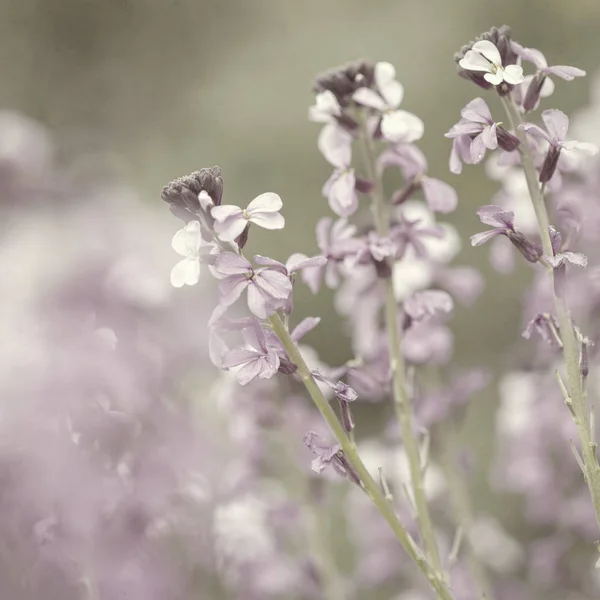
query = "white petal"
{"x": 230, "y": 229}
{"x": 494, "y": 78}
{"x": 335, "y": 144}
{"x": 268, "y": 202}
{"x": 268, "y": 220}
{"x": 369, "y": 98}
{"x": 393, "y": 92}
{"x": 488, "y": 50}
{"x": 325, "y": 108}
{"x": 473, "y": 61}
{"x": 402, "y": 126}
{"x": 186, "y": 241}
{"x": 225, "y": 211}
{"x": 384, "y": 73}
{"x": 185, "y": 272}
{"x": 206, "y": 202}
{"x": 585, "y": 147}
{"x": 513, "y": 74}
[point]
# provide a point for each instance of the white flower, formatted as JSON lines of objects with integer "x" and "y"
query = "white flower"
{"x": 187, "y": 242}
{"x": 230, "y": 221}
{"x": 398, "y": 126}
{"x": 325, "y": 109}
{"x": 485, "y": 57}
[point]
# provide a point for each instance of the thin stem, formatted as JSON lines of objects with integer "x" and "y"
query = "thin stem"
{"x": 402, "y": 402}
{"x": 461, "y": 505}
{"x": 369, "y": 484}
{"x": 577, "y": 395}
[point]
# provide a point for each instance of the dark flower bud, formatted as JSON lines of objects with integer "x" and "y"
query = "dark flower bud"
{"x": 344, "y": 81}
{"x": 383, "y": 269}
{"x": 506, "y": 140}
{"x": 403, "y": 194}
{"x": 364, "y": 186}
{"x": 549, "y": 166}
{"x": 286, "y": 366}
{"x": 182, "y": 194}
{"x": 532, "y": 97}
{"x": 530, "y": 250}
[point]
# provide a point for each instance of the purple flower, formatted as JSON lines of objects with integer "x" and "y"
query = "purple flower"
{"x": 341, "y": 390}
{"x": 336, "y": 241}
{"x": 255, "y": 359}
{"x": 478, "y": 131}
{"x": 335, "y": 144}
{"x": 546, "y": 326}
{"x": 268, "y": 289}
{"x": 230, "y": 221}
{"x": 440, "y": 196}
{"x": 327, "y": 455}
{"x": 557, "y": 125}
{"x": 397, "y": 126}
{"x": 540, "y": 84}
{"x": 503, "y": 224}
{"x": 485, "y": 57}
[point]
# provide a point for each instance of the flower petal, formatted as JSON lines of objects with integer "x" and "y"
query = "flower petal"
{"x": 335, "y": 144}
{"x": 185, "y": 272}
{"x": 481, "y": 238}
{"x": 489, "y": 51}
{"x": 268, "y": 220}
{"x": 513, "y": 74}
{"x": 477, "y": 111}
{"x": 474, "y": 61}
{"x": 230, "y": 263}
{"x": 369, "y": 98}
{"x": 401, "y": 126}
{"x": 557, "y": 124}
{"x": 225, "y": 211}
{"x": 186, "y": 241}
{"x": 494, "y": 78}
{"x": 231, "y": 228}
{"x": 440, "y": 196}
{"x": 268, "y": 202}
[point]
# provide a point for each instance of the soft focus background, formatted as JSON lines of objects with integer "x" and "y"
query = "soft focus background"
{"x": 143, "y": 91}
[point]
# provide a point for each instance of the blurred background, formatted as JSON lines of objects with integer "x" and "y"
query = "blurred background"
{"x": 147, "y": 90}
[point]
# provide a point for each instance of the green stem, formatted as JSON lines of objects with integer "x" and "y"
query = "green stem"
{"x": 461, "y": 505}
{"x": 369, "y": 484}
{"x": 402, "y": 404}
{"x": 577, "y": 396}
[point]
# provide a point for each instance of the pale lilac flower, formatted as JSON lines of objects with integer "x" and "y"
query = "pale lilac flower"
{"x": 440, "y": 196}
{"x": 268, "y": 289}
{"x": 255, "y": 359}
{"x": 482, "y": 132}
{"x": 484, "y": 57}
{"x": 336, "y": 241}
{"x": 546, "y": 326}
{"x": 326, "y": 108}
{"x": 327, "y": 455}
{"x": 398, "y": 126}
{"x": 341, "y": 390}
{"x": 425, "y": 305}
{"x": 540, "y": 85}
{"x": 503, "y": 224}
{"x": 557, "y": 125}
{"x": 230, "y": 221}
{"x": 187, "y": 242}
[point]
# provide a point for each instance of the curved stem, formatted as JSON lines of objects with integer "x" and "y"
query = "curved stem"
{"x": 576, "y": 396}
{"x": 402, "y": 402}
{"x": 369, "y": 484}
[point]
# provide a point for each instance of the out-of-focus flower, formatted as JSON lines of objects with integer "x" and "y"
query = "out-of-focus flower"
{"x": 187, "y": 242}
{"x": 425, "y": 305}
{"x": 325, "y": 109}
{"x": 230, "y": 221}
{"x": 439, "y": 196}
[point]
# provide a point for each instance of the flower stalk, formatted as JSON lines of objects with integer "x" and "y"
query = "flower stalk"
{"x": 402, "y": 404}
{"x": 371, "y": 487}
{"x": 575, "y": 397}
